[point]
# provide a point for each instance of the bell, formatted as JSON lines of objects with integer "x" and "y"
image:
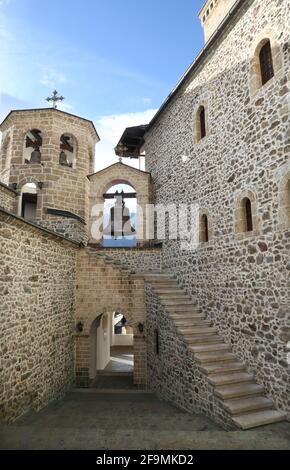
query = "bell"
{"x": 63, "y": 159}
{"x": 35, "y": 156}
{"x": 120, "y": 221}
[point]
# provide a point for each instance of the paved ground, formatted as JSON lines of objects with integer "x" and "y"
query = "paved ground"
{"x": 122, "y": 360}
{"x": 101, "y": 420}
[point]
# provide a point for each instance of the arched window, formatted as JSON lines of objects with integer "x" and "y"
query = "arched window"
{"x": 203, "y": 229}
{"x": 32, "y": 146}
{"x": 156, "y": 342}
{"x": 247, "y": 215}
{"x": 29, "y": 201}
{"x": 266, "y": 60}
{"x": 266, "y": 63}
{"x": 201, "y": 124}
{"x": 67, "y": 156}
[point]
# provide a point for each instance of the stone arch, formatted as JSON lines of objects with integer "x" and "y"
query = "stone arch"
{"x": 201, "y": 126}
{"x": 246, "y": 216}
{"x": 284, "y": 202}
{"x": 101, "y": 181}
{"x": 255, "y": 67}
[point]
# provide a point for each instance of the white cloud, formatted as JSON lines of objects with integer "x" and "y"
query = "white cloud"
{"x": 51, "y": 78}
{"x": 110, "y": 128}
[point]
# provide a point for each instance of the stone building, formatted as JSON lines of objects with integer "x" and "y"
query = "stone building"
{"x": 209, "y": 313}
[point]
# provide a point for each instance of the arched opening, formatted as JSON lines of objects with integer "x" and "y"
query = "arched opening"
{"x": 266, "y": 62}
{"x": 201, "y": 124}
{"x": 120, "y": 217}
{"x": 156, "y": 342}
{"x": 203, "y": 229}
{"x": 111, "y": 349}
{"x": 247, "y": 215}
{"x": 29, "y": 201}
{"x": 67, "y": 156}
{"x": 32, "y": 147}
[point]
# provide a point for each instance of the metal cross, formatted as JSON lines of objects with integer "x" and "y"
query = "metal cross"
{"x": 55, "y": 98}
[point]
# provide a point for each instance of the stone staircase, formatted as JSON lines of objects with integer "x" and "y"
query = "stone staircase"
{"x": 234, "y": 387}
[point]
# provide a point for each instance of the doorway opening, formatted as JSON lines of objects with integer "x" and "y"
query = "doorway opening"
{"x": 111, "y": 352}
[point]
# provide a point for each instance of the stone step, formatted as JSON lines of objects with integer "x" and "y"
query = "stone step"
{"x": 158, "y": 276}
{"x": 241, "y": 390}
{"x": 259, "y": 418}
{"x": 187, "y": 309}
{"x": 215, "y": 357}
{"x": 230, "y": 378}
{"x": 177, "y": 301}
{"x": 245, "y": 405}
{"x": 167, "y": 290}
{"x": 192, "y": 339}
{"x": 220, "y": 367}
{"x": 198, "y": 330}
{"x": 180, "y": 297}
{"x": 187, "y": 317}
{"x": 192, "y": 323}
{"x": 210, "y": 348}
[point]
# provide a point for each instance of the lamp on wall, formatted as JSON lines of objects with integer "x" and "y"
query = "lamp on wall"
{"x": 141, "y": 328}
{"x": 80, "y": 327}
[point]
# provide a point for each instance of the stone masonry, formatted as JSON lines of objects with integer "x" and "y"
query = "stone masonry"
{"x": 37, "y": 281}
{"x": 8, "y": 198}
{"x": 240, "y": 279}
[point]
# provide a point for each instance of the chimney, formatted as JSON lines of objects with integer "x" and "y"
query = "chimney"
{"x": 212, "y": 14}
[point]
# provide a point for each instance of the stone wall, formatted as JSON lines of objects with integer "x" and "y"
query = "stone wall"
{"x": 102, "y": 290}
{"x": 67, "y": 227}
{"x": 37, "y": 282}
{"x": 138, "y": 260}
{"x": 240, "y": 279}
{"x": 8, "y": 198}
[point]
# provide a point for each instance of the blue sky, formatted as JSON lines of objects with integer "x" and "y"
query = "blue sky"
{"x": 115, "y": 61}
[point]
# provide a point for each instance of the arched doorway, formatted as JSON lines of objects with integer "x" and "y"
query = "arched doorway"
{"x": 120, "y": 217}
{"x": 111, "y": 341}
{"x": 28, "y": 206}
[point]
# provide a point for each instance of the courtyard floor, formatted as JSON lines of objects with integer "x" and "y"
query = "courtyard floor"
{"x": 125, "y": 419}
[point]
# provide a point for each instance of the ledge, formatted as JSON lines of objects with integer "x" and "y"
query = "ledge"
{"x": 50, "y": 233}
{"x": 4, "y": 186}
{"x": 63, "y": 213}
{"x": 97, "y": 247}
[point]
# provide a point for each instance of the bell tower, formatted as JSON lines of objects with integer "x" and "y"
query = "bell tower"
{"x": 46, "y": 156}
{"x": 212, "y": 14}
